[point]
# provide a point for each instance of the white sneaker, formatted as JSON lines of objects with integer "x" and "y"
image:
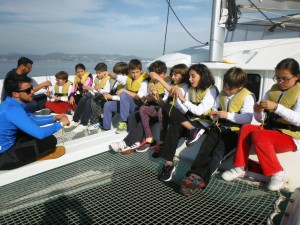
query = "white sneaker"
{"x": 118, "y": 146}
{"x": 94, "y": 126}
{"x": 80, "y": 128}
{"x": 100, "y": 130}
{"x": 134, "y": 146}
{"x": 278, "y": 181}
{"x": 43, "y": 112}
{"x": 233, "y": 173}
{"x": 72, "y": 124}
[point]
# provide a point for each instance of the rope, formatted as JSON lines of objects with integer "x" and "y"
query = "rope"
{"x": 233, "y": 15}
{"x": 63, "y": 135}
{"x": 218, "y": 124}
{"x": 262, "y": 120}
{"x": 173, "y": 102}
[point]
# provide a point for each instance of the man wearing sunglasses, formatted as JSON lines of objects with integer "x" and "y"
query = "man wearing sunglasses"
{"x": 23, "y": 136}
{"x": 24, "y": 67}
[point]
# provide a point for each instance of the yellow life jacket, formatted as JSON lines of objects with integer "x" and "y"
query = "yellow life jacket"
{"x": 170, "y": 98}
{"x": 96, "y": 82}
{"x": 134, "y": 85}
{"x": 235, "y": 105}
{"x": 65, "y": 89}
{"x": 160, "y": 88}
{"x": 83, "y": 78}
{"x": 288, "y": 100}
{"x": 196, "y": 95}
{"x": 101, "y": 83}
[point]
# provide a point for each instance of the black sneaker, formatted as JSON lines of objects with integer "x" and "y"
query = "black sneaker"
{"x": 191, "y": 184}
{"x": 156, "y": 151}
{"x": 167, "y": 173}
{"x": 70, "y": 112}
{"x": 195, "y": 134}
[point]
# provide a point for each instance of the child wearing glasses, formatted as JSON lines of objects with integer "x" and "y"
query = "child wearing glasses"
{"x": 59, "y": 95}
{"x": 279, "y": 112}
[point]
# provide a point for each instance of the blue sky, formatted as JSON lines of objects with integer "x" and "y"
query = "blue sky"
{"x": 127, "y": 27}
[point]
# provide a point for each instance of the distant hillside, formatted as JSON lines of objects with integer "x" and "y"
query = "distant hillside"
{"x": 61, "y": 57}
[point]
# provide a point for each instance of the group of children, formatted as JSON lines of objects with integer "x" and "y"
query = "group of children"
{"x": 188, "y": 104}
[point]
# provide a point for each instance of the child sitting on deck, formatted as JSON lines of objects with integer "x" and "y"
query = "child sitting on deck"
{"x": 197, "y": 103}
{"x": 279, "y": 113}
{"x": 152, "y": 102}
{"x": 236, "y": 108}
{"x": 179, "y": 74}
{"x": 99, "y": 100}
{"x": 83, "y": 110}
{"x": 59, "y": 96}
{"x": 135, "y": 87}
{"x": 83, "y": 81}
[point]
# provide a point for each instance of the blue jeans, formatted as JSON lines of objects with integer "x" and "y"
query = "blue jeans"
{"x": 125, "y": 106}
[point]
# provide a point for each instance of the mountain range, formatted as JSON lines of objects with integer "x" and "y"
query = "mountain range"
{"x": 62, "y": 57}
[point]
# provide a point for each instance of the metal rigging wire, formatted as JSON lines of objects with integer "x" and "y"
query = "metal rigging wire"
{"x": 166, "y": 27}
{"x": 168, "y": 1}
{"x": 272, "y": 28}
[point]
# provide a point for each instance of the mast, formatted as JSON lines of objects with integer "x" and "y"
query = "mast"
{"x": 217, "y": 34}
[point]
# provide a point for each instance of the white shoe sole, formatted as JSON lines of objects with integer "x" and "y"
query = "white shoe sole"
{"x": 172, "y": 173}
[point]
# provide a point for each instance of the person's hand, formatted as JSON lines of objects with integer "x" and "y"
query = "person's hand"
{"x": 96, "y": 88}
{"x": 266, "y": 104}
{"x": 178, "y": 93}
{"x": 58, "y": 117}
{"x": 48, "y": 93}
{"x": 64, "y": 120}
{"x": 153, "y": 89}
{"x": 72, "y": 100}
{"x": 107, "y": 96}
{"x": 173, "y": 90}
{"x": 119, "y": 92}
{"x": 222, "y": 114}
{"x": 46, "y": 84}
{"x": 257, "y": 107}
{"x": 213, "y": 114}
{"x": 56, "y": 98}
{"x": 154, "y": 76}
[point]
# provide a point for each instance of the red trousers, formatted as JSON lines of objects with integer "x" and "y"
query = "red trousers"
{"x": 59, "y": 106}
{"x": 266, "y": 144}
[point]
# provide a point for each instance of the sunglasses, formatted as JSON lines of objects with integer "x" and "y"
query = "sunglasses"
{"x": 27, "y": 90}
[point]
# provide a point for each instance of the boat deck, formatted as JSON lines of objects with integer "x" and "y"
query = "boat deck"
{"x": 111, "y": 188}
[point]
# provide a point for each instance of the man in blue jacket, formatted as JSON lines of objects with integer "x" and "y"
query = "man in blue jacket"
{"x": 23, "y": 138}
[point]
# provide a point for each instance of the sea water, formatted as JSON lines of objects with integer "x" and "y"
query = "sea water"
{"x": 51, "y": 68}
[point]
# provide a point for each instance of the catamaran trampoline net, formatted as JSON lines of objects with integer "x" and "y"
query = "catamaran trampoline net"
{"x": 112, "y": 188}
